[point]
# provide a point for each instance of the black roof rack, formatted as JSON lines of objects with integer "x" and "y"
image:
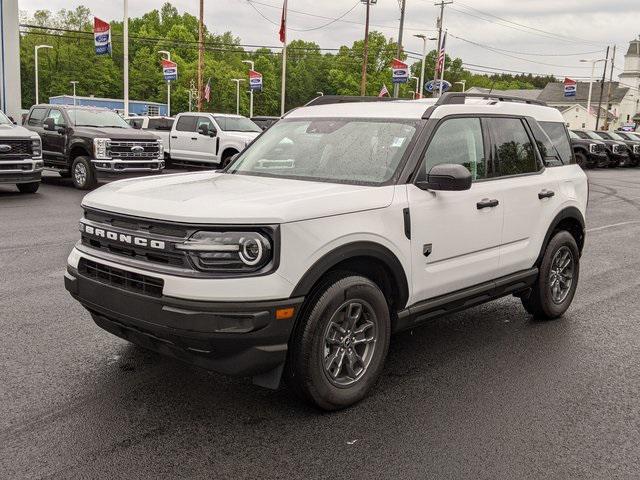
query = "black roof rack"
{"x": 332, "y": 99}
{"x": 459, "y": 98}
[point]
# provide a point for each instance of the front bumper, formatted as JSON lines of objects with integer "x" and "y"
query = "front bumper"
{"x": 21, "y": 171}
{"x": 128, "y": 166}
{"x": 234, "y": 338}
{"x": 599, "y": 159}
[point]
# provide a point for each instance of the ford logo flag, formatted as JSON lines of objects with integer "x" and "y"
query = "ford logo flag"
{"x": 170, "y": 70}
{"x": 570, "y": 87}
{"x": 102, "y": 36}
{"x": 400, "y": 71}
{"x": 255, "y": 80}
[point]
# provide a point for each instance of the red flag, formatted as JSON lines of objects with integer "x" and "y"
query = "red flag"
{"x": 283, "y": 23}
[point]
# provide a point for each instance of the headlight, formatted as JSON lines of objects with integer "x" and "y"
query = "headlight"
{"x": 636, "y": 149}
{"x": 593, "y": 148}
{"x": 241, "y": 252}
{"x": 160, "y": 150}
{"x": 101, "y": 148}
{"x": 616, "y": 149}
{"x": 36, "y": 147}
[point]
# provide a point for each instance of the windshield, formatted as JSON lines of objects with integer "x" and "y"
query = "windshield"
{"x": 237, "y": 124}
{"x": 595, "y": 136}
{"x": 335, "y": 150}
{"x": 96, "y": 118}
{"x": 4, "y": 120}
{"x": 615, "y": 136}
{"x": 585, "y": 135}
{"x": 573, "y": 134}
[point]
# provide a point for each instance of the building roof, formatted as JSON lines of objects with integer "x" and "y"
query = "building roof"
{"x": 553, "y": 93}
{"x": 529, "y": 94}
{"x": 603, "y": 111}
{"x": 101, "y": 99}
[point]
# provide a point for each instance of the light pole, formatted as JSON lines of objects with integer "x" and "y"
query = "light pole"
{"x": 38, "y": 47}
{"x": 237, "y": 80}
{"x": 125, "y": 56}
{"x": 365, "y": 60}
{"x": 463, "y": 83}
{"x": 252, "y": 67}
{"x": 593, "y": 69}
{"x": 74, "y": 83}
{"x": 417, "y": 85}
{"x": 424, "y": 59}
{"x": 168, "y": 54}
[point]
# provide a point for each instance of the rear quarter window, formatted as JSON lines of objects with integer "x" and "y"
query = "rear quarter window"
{"x": 558, "y": 136}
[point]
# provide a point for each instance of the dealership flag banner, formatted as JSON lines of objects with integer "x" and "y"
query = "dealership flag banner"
{"x": 400, "y": 71}
{"x": 255, "y": 80}
{"x": 102, "y": 36}
{"x": 570, "y": 87}
{"x": 170, "y": 70}
{"x": 441, "y": 55}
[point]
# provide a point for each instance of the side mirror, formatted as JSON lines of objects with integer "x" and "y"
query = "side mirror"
{"x": 137, "y": 126}
{"x": 448, "y": 177}
{"x": 49, "y": 124}
{"x": 213, "y": 133}
{"x": 203, "y": 129}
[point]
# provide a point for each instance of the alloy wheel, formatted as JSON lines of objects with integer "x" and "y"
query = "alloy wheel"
{"x": 80, "y": 173}
{"x": 561, "y": 274}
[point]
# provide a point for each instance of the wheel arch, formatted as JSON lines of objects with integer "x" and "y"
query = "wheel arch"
{"x": 78, "y": 149}
{"x": 227, "y": 149}
{"x": 569, "y": 219}
{"x": 369, "y": 259}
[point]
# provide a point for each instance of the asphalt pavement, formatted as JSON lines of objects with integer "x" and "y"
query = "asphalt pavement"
{"x": 484, "y": 394}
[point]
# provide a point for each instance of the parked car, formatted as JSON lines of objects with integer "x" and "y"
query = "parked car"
{"x": 158, "y": 125}
{"x": 20, "y": 156}
{"x": 633, "y": 156}
{"x": 341, "y": 224}
{"x": 209, "y": 139}
{"x": 617, "y": 151}
{"x": 589, "y": 153}
{"x": 84, "y": 142}
{"x": 633, "y": 143}
{"x": 264, "y": 122}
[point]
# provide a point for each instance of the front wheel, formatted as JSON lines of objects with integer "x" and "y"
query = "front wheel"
{"x": 337, "y": 350}
{"x": 555, "y": 287}
{"x": 31, "y": 187}
{"x": 83, "y": 174}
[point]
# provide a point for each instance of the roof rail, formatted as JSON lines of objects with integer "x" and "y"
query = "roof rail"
{"x": 459, "y": 98}
{"x": 332, "y": 99}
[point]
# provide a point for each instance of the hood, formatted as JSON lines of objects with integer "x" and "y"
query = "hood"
{"x": 11, "y": 131}
{"x": 115, "y": 133}
{"x": 242, "y": 135}
{"x": 586, "y": 141}
{"x": 210, "y": 198}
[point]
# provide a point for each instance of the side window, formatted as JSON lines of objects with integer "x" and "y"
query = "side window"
{"x": 205, "y": 121}
{"x": 458, "y": 140}
{"x": 36, "y": 117}
{"x": 56, "y": 114}
{"x": 136, "y": 122}
{"x": 559, "y": 136}
{"x": 186, "y": 123}
{"x": 512, "y": 148}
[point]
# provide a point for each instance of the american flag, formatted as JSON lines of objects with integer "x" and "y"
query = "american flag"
{"x": 384, "y": 92}
{"x": 207, "y": 90}
{"x": 441, "y": 55}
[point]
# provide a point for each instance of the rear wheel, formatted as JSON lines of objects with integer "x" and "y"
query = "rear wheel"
{"x": 31, "y": 187}
{"x": 83, "y": 174}
{"x": 227, "y": 158}
{"x": 555, "y": 287}
{"x": 338, "y": 348}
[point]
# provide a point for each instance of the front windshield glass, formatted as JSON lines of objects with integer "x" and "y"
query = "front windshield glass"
{"x": 573, "y": 134}
{"x": 584, "y": 135}
{"x": 595, "y": 136}
{"x": 335, "y": 150}
{"x": 615, "y": 136}
{"x": 237, "y": 124}
{"x": 96, "y": 118}
{"x": 4, "y": 120}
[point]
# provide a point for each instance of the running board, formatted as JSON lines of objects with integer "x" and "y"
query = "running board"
{"x": 420, "y": 313}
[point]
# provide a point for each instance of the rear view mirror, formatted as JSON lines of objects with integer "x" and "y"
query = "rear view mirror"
{"x": 49, "y": 124}
{"x": 447, "y": 177}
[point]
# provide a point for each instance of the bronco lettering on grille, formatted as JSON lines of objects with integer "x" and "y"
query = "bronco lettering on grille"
{"x": 122, "y": 237}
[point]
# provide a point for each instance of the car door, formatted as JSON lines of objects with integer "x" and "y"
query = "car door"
{"x": 34, "y": 123}
{"x": 207, "y": 150}
{"x": 184, "y": 138}
{"x": 530, "y": 191}
{"x": 455, "y": 235}
{"x": 54, "y": 141}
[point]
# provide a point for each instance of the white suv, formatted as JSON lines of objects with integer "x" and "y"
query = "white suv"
{"x": 341, "y": 224}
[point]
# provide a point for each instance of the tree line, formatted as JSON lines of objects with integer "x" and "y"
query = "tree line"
{"x": 309, "y": 68}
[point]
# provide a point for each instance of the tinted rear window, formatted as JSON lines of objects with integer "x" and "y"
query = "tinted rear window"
{"x": 186, "y": 123}
{"x": 557, "y": 133}
{"x": 160, "y": 124}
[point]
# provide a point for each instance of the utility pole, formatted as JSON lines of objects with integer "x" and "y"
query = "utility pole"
{"x": 200, "y": 54}
{"x": 403, "y": 5}
{"x": 126, "y": 57}
{"x": 613, "y": 59}
{"x": 283, "y": 39}
{"x": 439, "y": 25}
{"x": 74, "y": 83}
{"x": 168, "y": 54}
{"x": 38, "y": 47}
{"x": 365, "y": 59}
{"x": 604, "y": 74}
{"x": 237, "y": 82}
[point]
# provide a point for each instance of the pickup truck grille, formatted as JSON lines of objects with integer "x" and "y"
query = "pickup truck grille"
{"x": 25, "y": 167}
{"x": 134, "y": 150}
{"x": 598, "y": 148}
{"x": 15, "y": 148}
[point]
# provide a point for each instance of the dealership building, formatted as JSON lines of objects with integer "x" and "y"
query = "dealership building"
{"x": 136, "y": 107}
{"x": 10, "y": 96}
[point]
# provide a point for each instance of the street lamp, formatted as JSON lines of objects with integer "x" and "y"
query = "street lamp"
{"x": 168, "y": 54}
{"x": 252, "y": 67}
{"x": 593, "y": 68}
{"x": 74, "y": 83}
{"x": 463, "y": 83}
{"x": 237, "y": 80}
{"x": 424, "y": 58}
{"x": 320, "y": 94}
{"x": 38, "y": 47}
{"x": 417, "y": 85}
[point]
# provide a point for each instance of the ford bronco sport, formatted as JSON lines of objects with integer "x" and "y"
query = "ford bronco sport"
{"x": 341, "y": 224}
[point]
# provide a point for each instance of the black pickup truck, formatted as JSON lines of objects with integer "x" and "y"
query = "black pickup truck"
{"x": 84, "y": 142}
{"x": 589, "y": 152}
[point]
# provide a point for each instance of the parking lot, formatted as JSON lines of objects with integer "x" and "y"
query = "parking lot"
{"x": 487, "y": 393}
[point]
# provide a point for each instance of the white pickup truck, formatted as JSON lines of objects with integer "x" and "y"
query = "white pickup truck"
{"x": 198, "y": 138}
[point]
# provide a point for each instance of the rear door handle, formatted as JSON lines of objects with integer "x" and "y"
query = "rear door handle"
{"x": 546, "y": 194}
{"x": 486, "y": 203}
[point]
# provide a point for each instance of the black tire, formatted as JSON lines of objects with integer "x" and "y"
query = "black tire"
{"x": 31, "y": 187}
{"x": 83, "y": 174}
{"x": 167, "y": 161}
{"x": 305, "y": 370}
{"x": 542, "y": 302}
{"x": 226, "y": 158}
{"x": 581, "y": 159}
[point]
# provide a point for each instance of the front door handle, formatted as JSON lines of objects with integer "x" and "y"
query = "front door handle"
{"x": 173, "y": 136}
{"x": 486, "y": 203}
{"x": 546, "y": 194}
{"x": 194, "y": 138}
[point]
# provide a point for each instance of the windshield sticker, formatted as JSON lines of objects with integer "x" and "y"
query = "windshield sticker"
{"x": 398, "y": 141}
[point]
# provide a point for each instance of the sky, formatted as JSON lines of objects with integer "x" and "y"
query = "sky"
{"x": 538, "y": 36}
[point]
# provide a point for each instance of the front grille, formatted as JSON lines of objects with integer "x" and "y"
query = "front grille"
{"x": 25, "y": 167}
{"x": 133, "y": 282}
{"x": 15, "y": 148}
{"x": 599, "y": 148}
{"x": 122, "y": 150}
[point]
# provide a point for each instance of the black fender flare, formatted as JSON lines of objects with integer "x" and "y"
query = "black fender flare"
{"x": 567, "y": 213}
{"x": 79, "y": 144}
{"x": 353, "y": 250}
